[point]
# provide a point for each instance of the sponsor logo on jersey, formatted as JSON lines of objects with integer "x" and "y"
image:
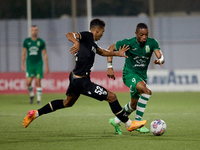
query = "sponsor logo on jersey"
{"x": 147, "y": 49}
{"x": 38, "y": 43}
{"x": 33, "y": 50}
{"x": 140, "y": 61}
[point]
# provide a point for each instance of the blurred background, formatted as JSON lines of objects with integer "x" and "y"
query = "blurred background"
{"x": 174, "y": 24}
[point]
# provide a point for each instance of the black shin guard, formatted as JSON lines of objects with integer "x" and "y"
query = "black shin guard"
{"x": 118, "y": 111}
{"x": 51, "y": 106}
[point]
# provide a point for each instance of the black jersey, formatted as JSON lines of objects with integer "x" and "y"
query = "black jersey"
{"x": 84, "y": 58}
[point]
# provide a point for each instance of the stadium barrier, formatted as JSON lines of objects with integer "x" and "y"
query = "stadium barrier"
{"x": 174, "y": 80}
{"x": 57, "y": 82}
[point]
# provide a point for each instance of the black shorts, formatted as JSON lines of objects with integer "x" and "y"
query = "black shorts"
{"x": 84, "y": 86}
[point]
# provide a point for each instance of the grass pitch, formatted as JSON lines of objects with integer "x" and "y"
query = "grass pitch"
{"x": 85, "y": 125}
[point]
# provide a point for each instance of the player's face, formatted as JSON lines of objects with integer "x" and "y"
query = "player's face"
{"x": 142, "y": 35}
{"x": 34, "y": 31}
{"x": 99, "y": 33}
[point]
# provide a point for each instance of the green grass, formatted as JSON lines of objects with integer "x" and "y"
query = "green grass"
{"x": 85, "y": 125}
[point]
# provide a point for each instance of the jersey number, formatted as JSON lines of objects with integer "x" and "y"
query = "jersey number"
{"x": 100, "y": 91}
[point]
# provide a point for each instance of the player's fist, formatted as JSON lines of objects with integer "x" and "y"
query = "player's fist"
{"x": 158, "y": 62}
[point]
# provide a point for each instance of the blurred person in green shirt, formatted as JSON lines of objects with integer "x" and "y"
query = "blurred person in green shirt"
{"x": 33, "y": 49}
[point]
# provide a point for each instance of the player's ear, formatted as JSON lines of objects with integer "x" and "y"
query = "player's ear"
{"x": 97, "y": 30}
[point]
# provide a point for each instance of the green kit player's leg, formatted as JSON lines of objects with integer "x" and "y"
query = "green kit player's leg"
{"x": 39, "y": 94}
{"x": 30, "y": 89}
{"x": 39, "y": 75}
{"x": 30, "y": 72}
{"x": 141, "y": 105}
{"x": 127, "y": 108}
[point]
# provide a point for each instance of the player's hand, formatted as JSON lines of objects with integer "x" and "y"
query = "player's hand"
{"x": 75, "y": 48}
{"x": 110, "y": 73}
{"x": 47, "y": 70}
{"x": 158, "y": 62}
{"x": 123, "y": 50}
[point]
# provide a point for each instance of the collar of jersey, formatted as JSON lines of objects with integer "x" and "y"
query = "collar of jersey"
{"x": 138, "y": 42}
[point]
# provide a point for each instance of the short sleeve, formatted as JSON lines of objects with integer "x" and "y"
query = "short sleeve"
{"x": 87, "y": 37}
{"x": 43, "y": 45}
{"x": 120, "y": 43}
{"x": 25, "y": 44}
{"x": 84, "y": 36}
{"x": 155, "y": 45}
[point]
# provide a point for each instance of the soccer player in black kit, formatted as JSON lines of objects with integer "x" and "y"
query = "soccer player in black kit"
{"x": 84, "y": 50}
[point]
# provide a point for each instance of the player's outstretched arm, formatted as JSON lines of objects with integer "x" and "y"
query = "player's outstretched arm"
{"x": 160, "y": 57}
{"x": 119, "y": 53}
{"x": 73, "y": 36}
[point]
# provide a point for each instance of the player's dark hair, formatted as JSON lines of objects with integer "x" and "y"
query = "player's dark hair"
{"x": 34, "y": 26}
{"x": 97, "y": 22}
{"x": 141, "y": 26}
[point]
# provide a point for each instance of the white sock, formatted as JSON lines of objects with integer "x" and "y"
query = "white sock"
{"x": 117, "y": 121}
{"x": 39, "y": 93}
{"x": 128, "y": 123}
{"x": 128, "y": 108}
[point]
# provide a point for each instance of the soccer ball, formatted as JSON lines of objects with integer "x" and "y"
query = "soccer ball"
{"x": 158, "y": 127}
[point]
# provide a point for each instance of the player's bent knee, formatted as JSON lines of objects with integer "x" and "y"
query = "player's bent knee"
{"x": 111, "y": 97}
{"x": 70, "y": 101}
{"x": 68, "y": 104}
{"x": 147, "y": 91}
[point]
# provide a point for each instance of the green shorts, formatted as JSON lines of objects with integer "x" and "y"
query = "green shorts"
{"x": 131, "y": 80}
{"x": 34, "y": 71}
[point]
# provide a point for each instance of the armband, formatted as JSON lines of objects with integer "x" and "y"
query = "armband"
{"x": 161, "y": 59}
{"x": 109, "y": 65}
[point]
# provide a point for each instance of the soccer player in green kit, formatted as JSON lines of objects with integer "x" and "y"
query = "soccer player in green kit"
{"x": 33, "y": 48}
{"x": 135, "y": 72}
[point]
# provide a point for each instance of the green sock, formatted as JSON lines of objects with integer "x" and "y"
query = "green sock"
{"x": 141, "y": 105}
{"x": 127, "y": 108}
{"x": 30, "y": 89}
